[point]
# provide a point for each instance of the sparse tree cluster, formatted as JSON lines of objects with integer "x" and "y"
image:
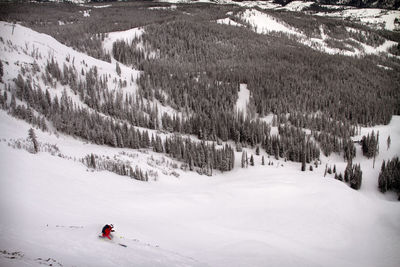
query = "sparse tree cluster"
{"x": 33, "y": 138}
{"x": 370, "y": 145}
{"x": 1, "y": 71}
{"x": 77, "y": 121}
{"x": 389, "y": 177}
{"x": 352, "y": 175}
{"x": 116, "y": 166}
{"x": 203, "y": 156}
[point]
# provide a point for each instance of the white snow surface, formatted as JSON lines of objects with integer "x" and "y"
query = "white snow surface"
{"x": 243, "y": 99}
{"x": 53, "y": 208}
{"x": 228, "y": 21}
{"x": 102, "y": 6}
{"x": 264, "y": 23}
{"x": 126, "y": 36}
{"x": 297, "y": 5}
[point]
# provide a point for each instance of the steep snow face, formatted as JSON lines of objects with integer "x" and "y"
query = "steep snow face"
{"x": 263, "y": 23}
{"x": 297, "y": 5}
{"x": 53, "y": 210}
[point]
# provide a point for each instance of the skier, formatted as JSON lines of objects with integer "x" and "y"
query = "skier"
{"x": 107, "y": 229}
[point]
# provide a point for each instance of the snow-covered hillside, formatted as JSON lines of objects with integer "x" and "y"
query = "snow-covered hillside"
{"x": 373, "y": 17}
{"x": 264, "y": 23}
{"x": 23, "y": 47}
{"x": 53, "y": 209}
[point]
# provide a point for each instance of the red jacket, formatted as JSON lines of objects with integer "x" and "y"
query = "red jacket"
{"x": 107, "y": 231}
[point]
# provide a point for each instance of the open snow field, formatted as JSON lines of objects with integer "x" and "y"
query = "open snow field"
{"x": 54, "y": 208}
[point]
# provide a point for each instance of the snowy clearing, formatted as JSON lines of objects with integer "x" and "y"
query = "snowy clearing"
{"x": 243, "y": 99}
{"x": 229, "y": 21}
{"x": 263, "y": 23}
{"x": 126, "y": 36}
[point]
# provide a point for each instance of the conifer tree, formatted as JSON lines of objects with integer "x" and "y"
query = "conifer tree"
{"x": 348, "y": 172}
{"x": 118, "y": 69}
{"x": 251, "y": 160}
{"x": 356, "y": 178}
{"x": 382, "y": 179}
{"x": 303, "y": 165}
{"x": 92, "y": 161}
{"x": 32, "y": 136}
{"x": 1, "y": 71}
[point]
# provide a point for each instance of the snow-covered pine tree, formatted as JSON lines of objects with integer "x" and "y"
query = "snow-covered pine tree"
{"x": 1, "y": 71}
{"x": 118, "y": 69}
{"x": 348, "y": 172}
{"x": 356, "y": 178}
{"x": 32, "y": 136}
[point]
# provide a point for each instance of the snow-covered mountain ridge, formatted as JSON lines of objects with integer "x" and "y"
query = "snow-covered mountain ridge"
{"x": 371, "y": 15}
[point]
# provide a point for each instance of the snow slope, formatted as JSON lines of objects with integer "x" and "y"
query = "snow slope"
{"x": 297, "y": 5}
{"x": 23, "y": 47}
{"x": 229, "y": 21}
{"x": 53, "y": 208}
{"x": 263, "y": 23}
{"x": 126, "y": 36}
